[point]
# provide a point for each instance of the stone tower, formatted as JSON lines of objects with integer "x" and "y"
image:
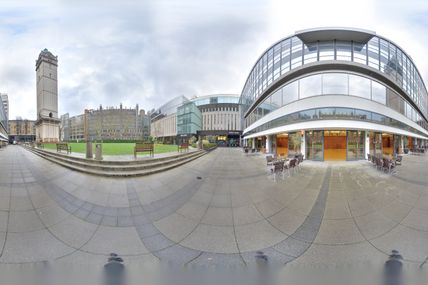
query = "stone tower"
{"x": 47, "y": 124}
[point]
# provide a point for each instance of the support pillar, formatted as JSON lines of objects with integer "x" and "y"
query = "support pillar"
{"x": 303, "y": 144}
{"x": 253, "y": 143}
{"x": 269, "y": 144}
{"x": 366, "y": 144}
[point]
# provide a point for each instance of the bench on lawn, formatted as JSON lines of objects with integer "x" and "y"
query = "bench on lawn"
{"x": 183, "y": 147}
{"x": 63, "y": 146}
{"x": 40, "y": 145}
{"x": 144, "y": 147}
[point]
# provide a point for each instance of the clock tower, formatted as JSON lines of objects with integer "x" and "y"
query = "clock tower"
{"x": 47, "y": 124}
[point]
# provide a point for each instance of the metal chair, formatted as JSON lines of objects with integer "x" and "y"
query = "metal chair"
{"x": 278, "y": 167}
{"x": 269, "y": 160}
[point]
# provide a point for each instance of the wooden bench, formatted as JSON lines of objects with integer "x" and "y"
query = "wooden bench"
{"x": 144, "y": 147}
{"x": 183, "y": 147}
{"x": 40, "y": 145}
{"x": 63, "y": 146}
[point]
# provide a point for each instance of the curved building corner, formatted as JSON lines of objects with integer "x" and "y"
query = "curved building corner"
{"x": 335, "y": 94}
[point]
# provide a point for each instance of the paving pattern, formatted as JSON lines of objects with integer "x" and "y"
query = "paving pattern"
{"x": 218, "y": 209}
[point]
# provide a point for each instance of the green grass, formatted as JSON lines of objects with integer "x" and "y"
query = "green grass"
{"x": 115, "y": 148}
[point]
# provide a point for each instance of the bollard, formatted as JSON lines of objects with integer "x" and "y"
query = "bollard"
{"x": 393, "y": 269}
{"x": 99, "y": 151}
{"x": 114, "y": 270}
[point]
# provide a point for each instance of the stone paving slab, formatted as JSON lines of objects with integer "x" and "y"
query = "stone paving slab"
{"x": 325, "y": 212}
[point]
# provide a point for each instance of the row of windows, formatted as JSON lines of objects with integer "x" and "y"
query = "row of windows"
{"x": 335, "y": 84}
{"x": 377, "y": 53}
{"x": 220, "y": 109}
{"x": 333, "y": 114}
{"x": 216, "y": 100}
{"x": 221, "y": 121}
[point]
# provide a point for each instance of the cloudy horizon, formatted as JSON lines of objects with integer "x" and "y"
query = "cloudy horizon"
{"x": 147, "y": 52}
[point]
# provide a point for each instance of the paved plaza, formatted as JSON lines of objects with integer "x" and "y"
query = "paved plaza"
{"x": 218, "y": 209}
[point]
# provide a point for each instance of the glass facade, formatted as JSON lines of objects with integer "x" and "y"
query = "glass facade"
{"x": 3, "y": 124}
{"x": 189, "y": 119}
{"x": 314, "y": 145}
{"x": 334, "y": 83}
{"x": 168, "y": 108}
{"x": 334, "y": 114}
{"x": 378, "y": 53}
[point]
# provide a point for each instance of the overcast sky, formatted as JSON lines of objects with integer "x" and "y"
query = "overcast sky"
{"x": 147, "y": 52}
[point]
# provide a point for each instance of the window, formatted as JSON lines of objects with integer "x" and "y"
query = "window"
{"x": 378, "y": 92}
{"x": 290, "y": 93}
{"x": 326, "y": 50}
{"x": 310, "y": 86}
{"x": 359, "y": 86}
{"x": 335, "y": 83}
{"x": 276, "y": 99}
{"x": 343, "y": 50}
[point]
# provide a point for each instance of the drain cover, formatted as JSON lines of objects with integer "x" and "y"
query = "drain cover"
{"x": 199, "y": 177}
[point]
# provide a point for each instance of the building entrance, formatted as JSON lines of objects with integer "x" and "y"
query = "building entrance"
{"x": 334, "y": 145}
{"x": 282, "y": 144}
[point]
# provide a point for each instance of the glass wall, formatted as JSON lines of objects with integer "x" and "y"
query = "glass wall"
{"x": 314, "y": 145}
{"x": 336, "y": 84}
{"x": 355, "y": 145}
{"x": 375, "y": 143}
{"x": 294, "y": 141}
{"x": 189, "y": 119}
{"x": 377, "y": 53}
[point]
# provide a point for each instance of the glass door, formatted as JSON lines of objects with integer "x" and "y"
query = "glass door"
{"x": 314, "y": 145}
{"x": 355, "y": 145}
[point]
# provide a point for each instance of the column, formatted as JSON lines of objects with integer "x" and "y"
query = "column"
{"x": 366, "y": 144}
{"x": 303, "y": 144}
{"x": 269, "y": 144}
{"x": 253, "y": 143}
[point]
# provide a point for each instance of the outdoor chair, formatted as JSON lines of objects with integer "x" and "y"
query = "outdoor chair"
{"x": 253, "y": 150}
{"x": 292, "y": 164}
{"x": 388, "y": 165}
{"x": 379, "y": 163}
{"x": 278, "y": 167}
{"x": 297, "y": 162}
{"x": 246, "y": 150}
{"x": 398, "y": 160}
{"x": 369, "y": 157}
{"x": 269, "y": 160}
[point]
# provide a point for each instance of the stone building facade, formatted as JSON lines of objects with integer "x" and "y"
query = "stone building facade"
{"x": 111, "y": 124}
{"x": 22, "y": 130}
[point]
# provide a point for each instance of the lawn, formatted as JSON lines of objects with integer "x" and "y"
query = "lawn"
{"x": 115, "y": 148}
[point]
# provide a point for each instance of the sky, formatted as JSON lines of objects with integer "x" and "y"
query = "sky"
{"x": 149, "y": 51}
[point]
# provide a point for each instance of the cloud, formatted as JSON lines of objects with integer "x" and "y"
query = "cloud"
{"x": 148, "y": 52}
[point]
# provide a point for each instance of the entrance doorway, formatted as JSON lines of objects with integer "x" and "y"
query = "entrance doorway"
{"x": 282, "y": 144}
{"x": 334, "y": 145}
{"x": 388, "y": 144}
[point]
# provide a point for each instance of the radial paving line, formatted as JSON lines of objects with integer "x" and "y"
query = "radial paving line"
{"x": 297, "y": 243}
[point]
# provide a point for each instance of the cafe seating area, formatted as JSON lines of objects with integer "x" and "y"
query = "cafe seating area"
{"x": 385, "y": 163}
{"x": 280, "y": 166}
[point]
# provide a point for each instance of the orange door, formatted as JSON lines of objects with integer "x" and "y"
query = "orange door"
{"x": 334, "y": 145}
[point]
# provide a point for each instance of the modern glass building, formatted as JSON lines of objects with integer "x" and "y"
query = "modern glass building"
{"x": 335, "y": 94}
{"x": 220, "y": 114}
{"x": 221, "y": 118}
{"x": 189, "y": 121}
{"x": 4, "y": 137}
